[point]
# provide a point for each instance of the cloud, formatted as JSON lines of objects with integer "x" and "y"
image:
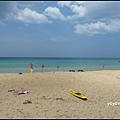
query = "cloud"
{"x": 30, "y": 16}
{"x": 64, "y": 3}
{"x": 97, "y": 28}
{"x": 54, "y": 13}
{"x": 90, "y": 18}
{"x": 100, "y": 10}
{"x": 93, "y": 10}
{"x": 93, "y": 18}
{"x": 77, "y": 10}
{"x": 7, "y": 10}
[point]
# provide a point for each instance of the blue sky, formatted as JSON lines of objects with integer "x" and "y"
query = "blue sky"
{"x": 60, "y": 29}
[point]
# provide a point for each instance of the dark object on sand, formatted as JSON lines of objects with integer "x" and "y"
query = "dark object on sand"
{"x": 71, "y": 70}
{"x": 17, "y": 92}
{"x": 11, "y": 90}
{"x": 80, "y": 71}
{"x": 19, "y": 73}
{"x": 27, "y": 102}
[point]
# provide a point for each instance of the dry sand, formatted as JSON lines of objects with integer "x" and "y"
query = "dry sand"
{"x": 50, "y": 97}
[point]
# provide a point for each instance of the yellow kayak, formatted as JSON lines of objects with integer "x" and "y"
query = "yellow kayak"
{"x": 77, "y": 94}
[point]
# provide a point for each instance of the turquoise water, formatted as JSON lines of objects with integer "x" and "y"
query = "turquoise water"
{"x": 16, "y": 65}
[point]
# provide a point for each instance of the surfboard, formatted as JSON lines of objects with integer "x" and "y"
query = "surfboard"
{"x": 77, "y": 94}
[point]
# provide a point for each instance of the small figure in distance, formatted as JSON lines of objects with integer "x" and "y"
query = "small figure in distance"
{"x": 80, "y": 71}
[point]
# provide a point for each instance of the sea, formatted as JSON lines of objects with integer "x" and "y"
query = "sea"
{"x": 53, "y": 64}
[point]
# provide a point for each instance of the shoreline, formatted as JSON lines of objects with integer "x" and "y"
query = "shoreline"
{"x": 50, "y": 97}
{"x": 72, "y": 71}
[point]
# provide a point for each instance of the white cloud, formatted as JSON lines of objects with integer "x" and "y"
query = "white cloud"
{"x": 64, "y": 3}
{"x": 91, "y": 16}
{"x": 97, "y": 28}
{"x": 77, "y": 10}
{"x": 54, "y": 13}
{"x": 100, "y": 9}
{"x": 93, "y": 10}
{"x": 9, "y": 10}
{"x": 30, "y": 16}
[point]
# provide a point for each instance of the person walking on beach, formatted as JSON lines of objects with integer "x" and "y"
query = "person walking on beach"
{"x": 103, "y": 66}
{"x": 31, "y": 68}
{"x": 31, "y": 65}
{"x": 42, "y": 67}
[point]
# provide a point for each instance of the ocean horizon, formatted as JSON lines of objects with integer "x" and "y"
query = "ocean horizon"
{"x": 52, "y": 64}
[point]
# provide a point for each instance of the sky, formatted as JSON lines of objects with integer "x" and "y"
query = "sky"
{"x": 87, "y": 29}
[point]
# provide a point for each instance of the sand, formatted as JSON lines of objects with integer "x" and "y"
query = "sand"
{"x": 50, "y": 98}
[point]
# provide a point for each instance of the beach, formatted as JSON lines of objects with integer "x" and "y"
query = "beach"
{"x": 49, "y": 95}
